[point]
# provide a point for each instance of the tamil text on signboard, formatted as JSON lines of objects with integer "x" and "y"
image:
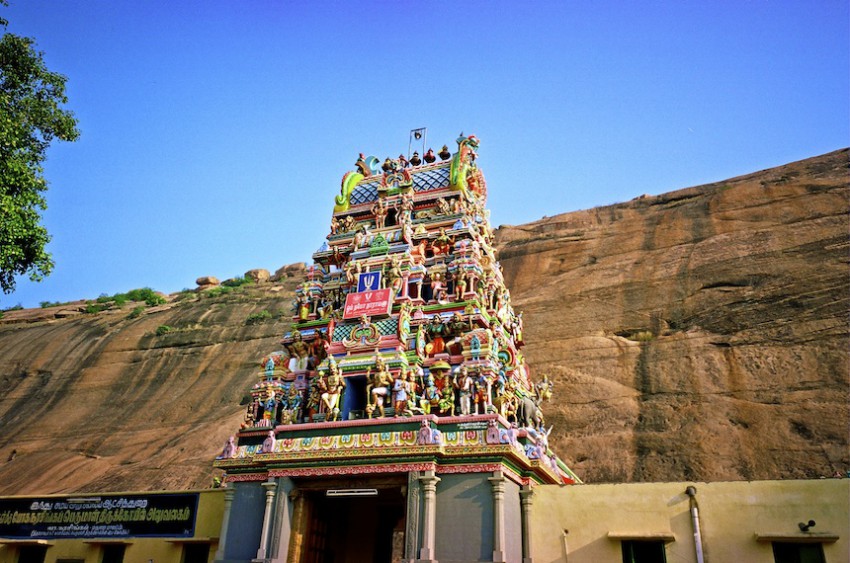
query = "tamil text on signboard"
{"x": 370, "y": 303}
{"x": 155, "y": 515}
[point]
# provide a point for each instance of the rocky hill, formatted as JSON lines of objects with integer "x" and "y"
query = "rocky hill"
{"x": 700, "y": 334}
{"x": 695, "y": 335}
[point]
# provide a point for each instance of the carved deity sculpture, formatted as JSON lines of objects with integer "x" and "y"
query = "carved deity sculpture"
{"x": 229, "y": 448}
{"x": 379, "y": 209}
{"x": 395, "y": 275}
{"x": 334, "y": 388}
{"x": 299, "y": 350}
{"x": 401, "y": 393}
{"x": 465, "y": 388}
{"x": 268, "y": 443}
{"x": 382, "y": 381}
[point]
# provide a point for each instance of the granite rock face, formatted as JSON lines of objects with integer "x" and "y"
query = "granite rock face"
{"x": 695, "y": 335}
{"x": 108, "y": 402}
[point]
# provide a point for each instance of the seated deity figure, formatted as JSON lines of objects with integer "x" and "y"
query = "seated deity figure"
{"x": 268, "y": 443}
{"x": 229, "y": 450}
{"x": 447, "y": 401}
{"x": 430, "y": 396}
{"x": 300, "y": 352}
{"x": 442, "y": 244}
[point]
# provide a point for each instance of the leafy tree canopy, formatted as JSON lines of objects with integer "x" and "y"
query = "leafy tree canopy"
{"x": 31, "y": 117}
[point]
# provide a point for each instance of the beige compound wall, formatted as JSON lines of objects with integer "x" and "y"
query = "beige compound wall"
{"x": 586, "y": 523}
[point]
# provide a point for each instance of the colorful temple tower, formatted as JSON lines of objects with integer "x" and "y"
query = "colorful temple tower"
{"x": 398, "y": 422}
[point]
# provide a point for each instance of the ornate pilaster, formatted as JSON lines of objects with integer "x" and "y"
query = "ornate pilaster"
{"x": 225, "y": 523}
{"x": 411, "y": 533}
{"x": 526, "y": 495}
{"x": 271, "y": 488}
{"x": 429, "y": 517}
{"x": 498, "y": 483}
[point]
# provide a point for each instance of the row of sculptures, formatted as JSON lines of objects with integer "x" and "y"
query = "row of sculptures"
{"x": 405, "y": 391}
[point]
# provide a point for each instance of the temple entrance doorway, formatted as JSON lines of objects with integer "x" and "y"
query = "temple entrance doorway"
{"x": 362, "y": 524}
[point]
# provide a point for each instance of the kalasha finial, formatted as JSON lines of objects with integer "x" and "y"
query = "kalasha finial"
{"x": 387, "y": 165}
{"x": 415, "y": 160}
{"x": 444, "y": 153}
{"x": 430, "y": 156}
{"x": 402, "y": 160}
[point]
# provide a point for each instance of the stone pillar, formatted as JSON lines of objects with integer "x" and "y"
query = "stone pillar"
{"x": 411, "y": 533}
{"x": 270, "y": 487}
{"x": 429, "y": 517}
{"x": 498, "y": 483}
{"x": 299, "y": 527}
{"x": 525, "y": 495}
{"x": 225, "y": 523}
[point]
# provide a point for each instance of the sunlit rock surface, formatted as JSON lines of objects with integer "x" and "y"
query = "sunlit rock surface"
{"x": 700, "y": 334}
{"x": 695, "y": 335}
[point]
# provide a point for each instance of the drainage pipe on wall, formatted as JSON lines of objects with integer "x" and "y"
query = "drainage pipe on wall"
{"x": 691, "y": 491}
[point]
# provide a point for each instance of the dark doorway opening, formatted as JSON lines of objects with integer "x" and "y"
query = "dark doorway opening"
{"x": 355, "y": 529}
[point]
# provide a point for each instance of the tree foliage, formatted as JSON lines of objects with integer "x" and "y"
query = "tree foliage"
{"x": 31, "y": 117}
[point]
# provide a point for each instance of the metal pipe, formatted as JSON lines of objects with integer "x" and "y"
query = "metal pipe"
{"x": 691, "y": 491}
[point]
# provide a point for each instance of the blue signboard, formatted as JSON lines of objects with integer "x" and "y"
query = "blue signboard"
{"x": 125, "y": 516}
{"x": 369, "y": 281}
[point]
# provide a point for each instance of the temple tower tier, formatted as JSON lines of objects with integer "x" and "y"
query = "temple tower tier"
{"x": 398, "y": 420}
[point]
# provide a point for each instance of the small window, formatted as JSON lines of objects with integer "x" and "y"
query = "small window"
{"x": 113, "y": 553}
{"x": 32, "y": 553}
{"x": 789, "y": 552}
{"x": 643, "y": 551}
{"x": 196, "y": 553}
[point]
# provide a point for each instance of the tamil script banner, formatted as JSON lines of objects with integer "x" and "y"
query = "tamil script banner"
{"x": 125, "y": 516}
{"x": 379, "y": 302}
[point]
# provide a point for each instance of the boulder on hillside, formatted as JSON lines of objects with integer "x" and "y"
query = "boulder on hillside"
{"x": 258, "y": 275}
{"x": 290, "y": 271}
{"x": 207, "y": 281}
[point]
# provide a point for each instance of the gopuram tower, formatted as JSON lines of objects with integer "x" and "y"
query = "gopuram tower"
{"x": 398, "y": 422}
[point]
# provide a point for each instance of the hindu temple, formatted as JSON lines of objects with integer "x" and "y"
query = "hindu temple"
{"x": 399, "y": 420}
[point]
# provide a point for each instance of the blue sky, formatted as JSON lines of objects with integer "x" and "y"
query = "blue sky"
{"x": 215, "y": 133}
